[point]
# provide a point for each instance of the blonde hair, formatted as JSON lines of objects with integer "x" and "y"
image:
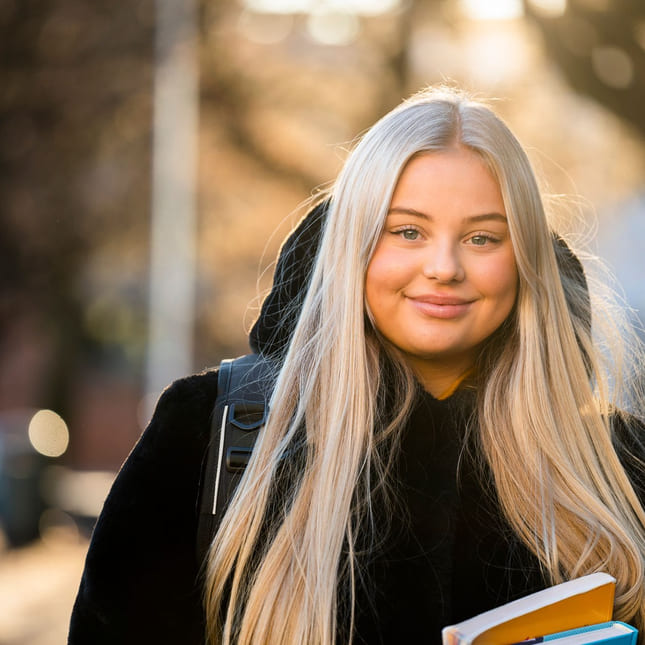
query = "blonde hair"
{"x": 286, "y": 548}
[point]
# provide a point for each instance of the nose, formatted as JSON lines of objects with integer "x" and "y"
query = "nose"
{"x": 443, "y": 263}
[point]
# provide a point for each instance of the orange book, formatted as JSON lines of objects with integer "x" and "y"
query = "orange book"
{"x": 578, "y": 603}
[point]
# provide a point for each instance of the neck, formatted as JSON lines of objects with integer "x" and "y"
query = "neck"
{"x": 439, "y": 378}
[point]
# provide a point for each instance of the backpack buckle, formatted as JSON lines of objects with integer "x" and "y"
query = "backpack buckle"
{"x": 247, "y": 416}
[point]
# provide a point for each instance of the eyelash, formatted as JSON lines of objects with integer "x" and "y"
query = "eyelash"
{"x": 490, "y": 239}
{"x": 400, "y": 232}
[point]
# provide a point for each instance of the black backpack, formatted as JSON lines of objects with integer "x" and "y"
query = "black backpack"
{"x": 244, "y": 386}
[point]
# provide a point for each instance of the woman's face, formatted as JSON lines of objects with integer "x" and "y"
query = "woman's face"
{"x": 443, "y": 276}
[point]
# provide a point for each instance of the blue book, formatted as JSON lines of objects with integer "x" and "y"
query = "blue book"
{"x": 613, "y": 632}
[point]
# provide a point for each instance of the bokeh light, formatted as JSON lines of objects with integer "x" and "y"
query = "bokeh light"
{"x": 333, "y": 27}
{"x": 48, "y": 433}
{"x": 613, "y": 66}
{"x": 486, "y": 10}
{"x": 361, "y": 7}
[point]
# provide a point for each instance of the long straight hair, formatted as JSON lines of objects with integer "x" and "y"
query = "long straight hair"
{"x": 286, "y": 549}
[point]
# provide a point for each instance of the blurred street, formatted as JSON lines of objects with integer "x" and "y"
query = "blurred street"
{"x": 38, "y": 585}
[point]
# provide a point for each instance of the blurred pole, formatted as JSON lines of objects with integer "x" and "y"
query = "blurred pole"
{"x": 173, "y": 218}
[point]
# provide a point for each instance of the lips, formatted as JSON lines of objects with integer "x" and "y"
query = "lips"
{"x": 441, "y": 306}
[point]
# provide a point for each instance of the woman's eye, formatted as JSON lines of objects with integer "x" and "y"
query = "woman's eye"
{"x": 410, "y": 234}
{"x": 481, "y": 240}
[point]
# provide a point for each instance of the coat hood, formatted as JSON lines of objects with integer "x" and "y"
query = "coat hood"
{"x": 271, "y": 333}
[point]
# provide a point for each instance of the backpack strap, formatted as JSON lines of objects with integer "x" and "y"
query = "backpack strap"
{"x": 243, "y": 390}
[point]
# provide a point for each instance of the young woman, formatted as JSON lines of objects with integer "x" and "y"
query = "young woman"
{"x": 441, "y": 437}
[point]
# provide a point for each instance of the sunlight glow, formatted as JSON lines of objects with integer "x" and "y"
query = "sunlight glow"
{"x": 333, "y": 27}
{"x": 550, "y": 8}
{"x": 358, "y": 7}
{"x": 495, "y": 53}
{"x": 486, "y": 10}
{"x": 278, "y": 6}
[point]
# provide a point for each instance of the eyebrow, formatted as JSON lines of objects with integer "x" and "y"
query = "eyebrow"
{"x": 401, "y": 210}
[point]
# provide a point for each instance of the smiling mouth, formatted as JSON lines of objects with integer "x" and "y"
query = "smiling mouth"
{"x": 443, "y": 307}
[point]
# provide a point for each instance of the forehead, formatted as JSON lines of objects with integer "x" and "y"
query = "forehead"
{"x": 456, "y": 180}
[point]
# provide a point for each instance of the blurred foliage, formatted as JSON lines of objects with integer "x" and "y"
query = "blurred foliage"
{"x": 600, "y": 47}
{"x": 74, "y": 165}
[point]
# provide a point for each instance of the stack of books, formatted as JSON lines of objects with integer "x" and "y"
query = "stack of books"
{"x": 572, "y": 613}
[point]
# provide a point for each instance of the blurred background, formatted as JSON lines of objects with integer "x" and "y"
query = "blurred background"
{"x": 154, "y": 154}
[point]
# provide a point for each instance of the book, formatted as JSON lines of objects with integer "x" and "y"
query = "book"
{"x": 581, "y": 602}
{"x": 614, "y": 632}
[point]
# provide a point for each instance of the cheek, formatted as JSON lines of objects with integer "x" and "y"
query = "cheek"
{"x": 373, "y": 286}
{"x": 389, "y": 268}
{"x": 504, "y": 279}
{"x": 496, "y": 279}
{"x": 385, "y": 275}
